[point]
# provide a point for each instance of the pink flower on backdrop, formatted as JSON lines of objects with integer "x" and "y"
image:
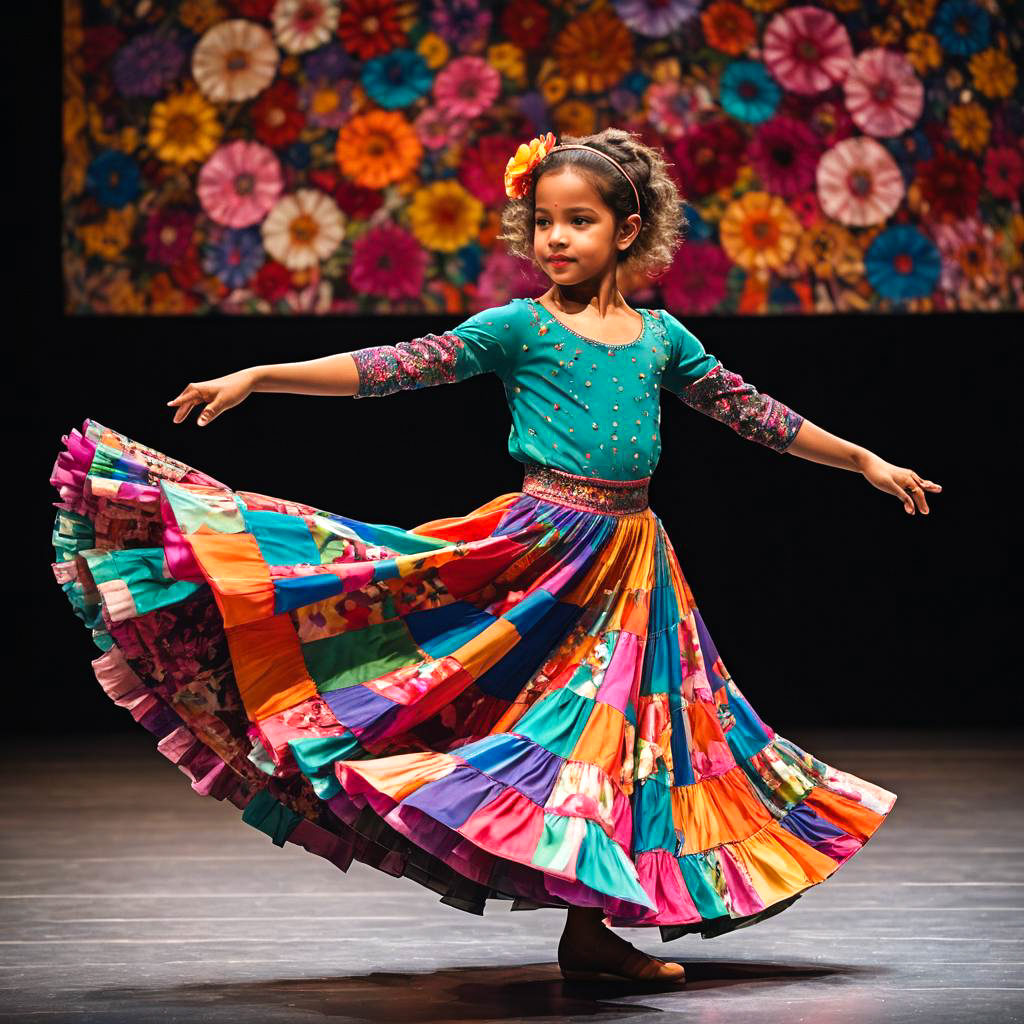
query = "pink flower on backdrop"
{"x": 505, "y": 277}
{"x": 859, "y": 183}
{"x": 482, "y": 169}
{"x": 388, "y": 261}
{"x": 438, "y": 129}
{"x": 807, "y": 49}
{"x": 883, "y": 94}
{"x": 696, "y": 281}
{"x": 240, "y": 183}
{"x": 168, "y": 235}
{"x": 467, "y": 87}
{"x": 785, "y": 152}
{"x": 674, "y": 108}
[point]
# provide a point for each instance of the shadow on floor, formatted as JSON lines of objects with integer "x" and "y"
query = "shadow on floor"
{"x": 457, "y": 994}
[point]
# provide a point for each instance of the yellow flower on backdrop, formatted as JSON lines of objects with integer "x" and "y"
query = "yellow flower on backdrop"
{"x": 970, "y": 126}
{"x": 434, "y": 50}
{"x": 183, "y": 128}
{"x": 444, "y": 216}
{"x": 994, "y": 74}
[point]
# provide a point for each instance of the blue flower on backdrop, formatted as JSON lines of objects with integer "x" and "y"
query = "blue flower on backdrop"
{"x": 962, "y": 27}
{"x": 748, "y": 92}
{"x": 902, "y": 263}
{"x": 113, "y": 178}
{"x": 397, "y": 79}
{"x": 235, "y": 256}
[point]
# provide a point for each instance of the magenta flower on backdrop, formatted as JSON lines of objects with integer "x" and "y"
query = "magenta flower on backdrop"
{"x": 168, "y": 235}
{"x": 437, "y": 129}
{"x": 655, "y": 18}
{"x": 388, "y": 261}
{"x": 883, "y": 94}
{"x": 696, "y": 281}
{"x": 1004, "y": 172}
{"x": 859, "y": 183}
{"x": 240, "y": 183}
{"x": 785, "y": 154}
{"x": 505, "y": 277}
{"x": 482, "y": 168}
{"x": 467, "y": 87}
{"x": 807, "y": 49}
{"x": 463, "y": 24}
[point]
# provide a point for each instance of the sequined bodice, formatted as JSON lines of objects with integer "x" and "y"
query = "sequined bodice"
{"x": 583, "y": 405}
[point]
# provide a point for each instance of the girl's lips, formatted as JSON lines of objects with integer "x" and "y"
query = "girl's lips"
{"x": 559, "y": 259}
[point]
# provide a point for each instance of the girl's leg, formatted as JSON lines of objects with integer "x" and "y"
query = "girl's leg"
{"x": 587, "y": 944}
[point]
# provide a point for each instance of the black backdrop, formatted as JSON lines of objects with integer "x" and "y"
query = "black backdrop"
{"x": 828, "y": 603}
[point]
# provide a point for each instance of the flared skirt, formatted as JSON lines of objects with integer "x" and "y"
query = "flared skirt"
{"x": 521, "y": 703}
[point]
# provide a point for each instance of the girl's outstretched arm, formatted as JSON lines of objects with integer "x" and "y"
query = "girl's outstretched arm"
{"x": 817, "y": 445}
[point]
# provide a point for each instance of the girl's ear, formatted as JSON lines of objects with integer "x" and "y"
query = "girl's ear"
{"x": 630, "y": 227}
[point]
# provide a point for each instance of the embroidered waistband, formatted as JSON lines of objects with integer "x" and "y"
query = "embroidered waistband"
{"x": 589, "y": 493}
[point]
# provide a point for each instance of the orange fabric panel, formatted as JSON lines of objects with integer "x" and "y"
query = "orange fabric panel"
{"x": 476, "y": 525}
{"x": 851, "y": 817}
{"x": 600, "y": 742}
{"x": 779, "y": 864}
{"x": 269, "y": 669}
{"x": 401, "y": 774}
{"x": 487, "y": 648}
{"x": 238, "y": 574}
{"x": 719, "y": 809}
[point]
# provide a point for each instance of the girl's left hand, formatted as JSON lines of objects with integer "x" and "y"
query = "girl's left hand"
{"x": 907, "y": 485}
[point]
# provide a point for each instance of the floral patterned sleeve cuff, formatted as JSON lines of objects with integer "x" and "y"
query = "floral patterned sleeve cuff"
{"x": 407, "y": 365}
{"x": 726, "y": 397}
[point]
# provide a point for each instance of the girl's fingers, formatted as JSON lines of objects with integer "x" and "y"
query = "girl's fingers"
{"x": 908, "y": 504}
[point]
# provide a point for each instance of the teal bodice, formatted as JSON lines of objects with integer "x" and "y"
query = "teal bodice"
{"x": 580, "y": 405}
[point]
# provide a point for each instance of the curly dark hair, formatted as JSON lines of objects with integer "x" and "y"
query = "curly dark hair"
{"x": 661, "y": 206}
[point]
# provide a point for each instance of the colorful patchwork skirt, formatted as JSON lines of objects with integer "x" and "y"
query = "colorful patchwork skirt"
{"x": 521, "y": 703}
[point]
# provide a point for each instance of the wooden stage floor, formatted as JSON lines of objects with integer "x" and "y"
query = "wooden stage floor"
{"x": 126, "y": 897}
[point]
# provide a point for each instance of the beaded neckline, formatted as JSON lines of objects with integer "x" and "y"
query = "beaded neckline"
{"x": 594, "y": 341}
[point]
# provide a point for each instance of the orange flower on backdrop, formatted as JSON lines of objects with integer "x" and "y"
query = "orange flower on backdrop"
{"x": 520, "y": 166}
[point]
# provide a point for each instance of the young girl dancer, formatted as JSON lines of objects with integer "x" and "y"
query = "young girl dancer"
{"x": 521, "y": 703}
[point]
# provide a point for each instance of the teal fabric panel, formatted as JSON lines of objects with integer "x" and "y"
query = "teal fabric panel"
{"x": 557, "y": 721}
{"x": 282, "y": 539}
{"x": 271, "y": 816}
{"x": 653, "y": 828}
{"x": 603, "y": 866}
{"x": 316, "y": 757}
{"x": 697, "y": 869}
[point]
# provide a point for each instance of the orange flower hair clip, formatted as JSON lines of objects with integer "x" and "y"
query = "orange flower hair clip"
{"x": 518, "y": 168}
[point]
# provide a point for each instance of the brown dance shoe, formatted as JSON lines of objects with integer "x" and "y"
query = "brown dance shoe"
{"x": 635, "y": 965}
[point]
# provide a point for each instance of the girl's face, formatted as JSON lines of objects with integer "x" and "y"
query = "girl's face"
{"x": 571, "y": 220}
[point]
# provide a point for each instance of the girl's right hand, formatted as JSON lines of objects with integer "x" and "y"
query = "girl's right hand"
{"x": 219, "y": 395}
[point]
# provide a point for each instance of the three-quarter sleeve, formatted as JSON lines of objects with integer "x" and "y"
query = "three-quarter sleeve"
{"x": 704, "y": 384}
{"x": 482, "y": 344}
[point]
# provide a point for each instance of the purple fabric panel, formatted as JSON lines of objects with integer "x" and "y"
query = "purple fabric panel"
{"x": 454, "y": 798}
{"x": 359, "y": 708}
{"x": 517, "y": 762}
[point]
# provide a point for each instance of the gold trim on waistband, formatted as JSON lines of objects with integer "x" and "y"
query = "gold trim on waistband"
{"x": 587, "y": 493}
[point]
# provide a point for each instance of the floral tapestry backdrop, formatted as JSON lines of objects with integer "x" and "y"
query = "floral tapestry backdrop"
{"x": 278, "y": 156}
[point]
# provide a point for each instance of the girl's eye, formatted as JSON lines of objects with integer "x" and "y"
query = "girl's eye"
{"x": 543, "y": 220}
